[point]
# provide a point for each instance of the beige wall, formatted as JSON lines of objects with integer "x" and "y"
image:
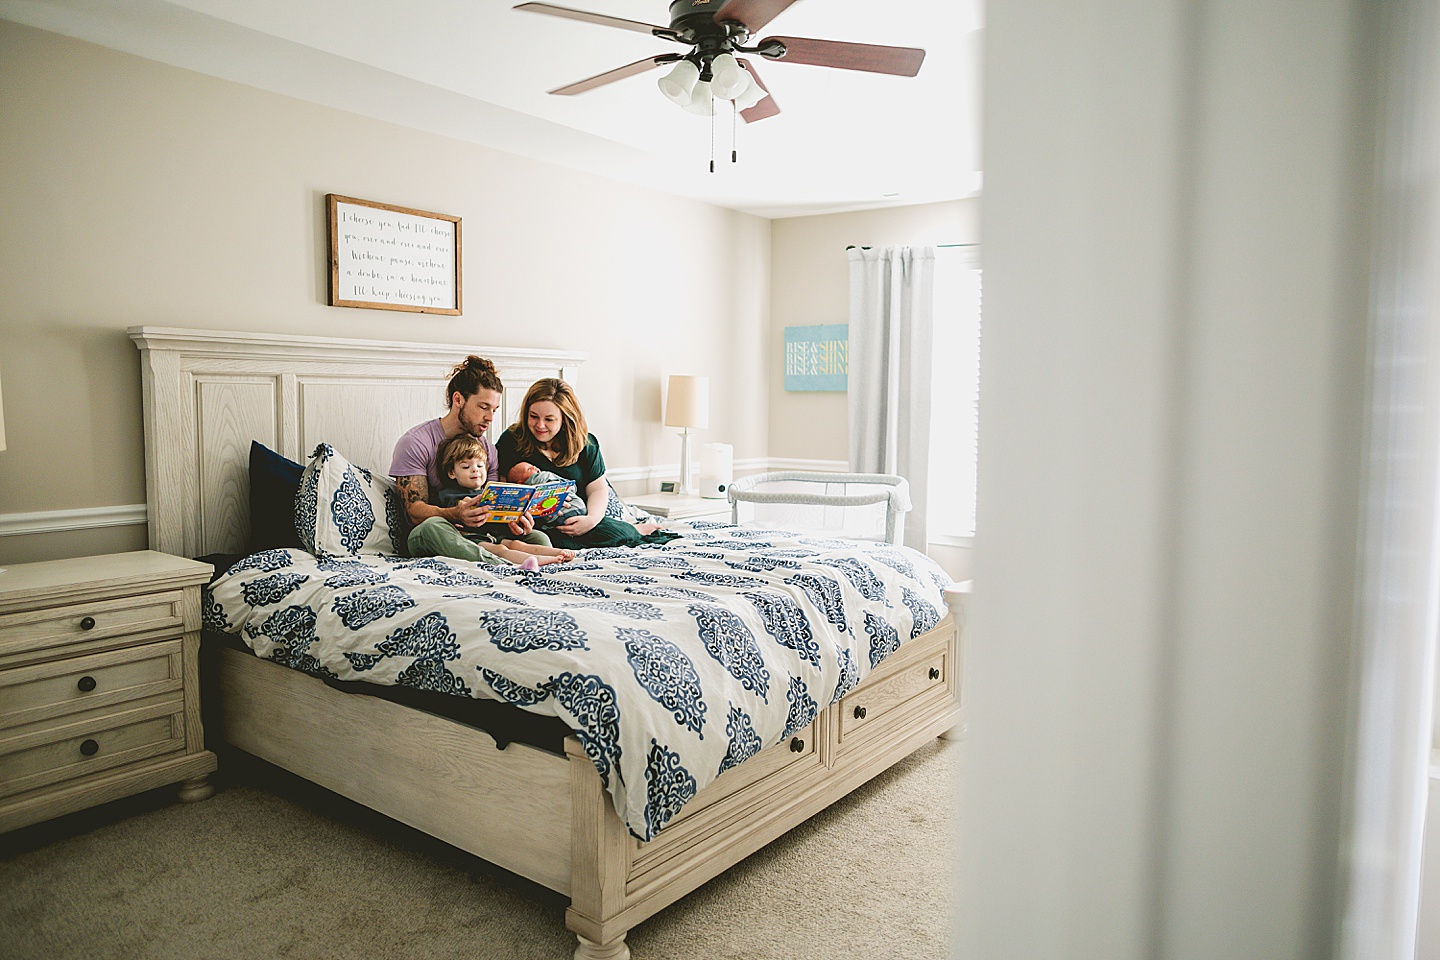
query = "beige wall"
{"x": 133, "y": 192}
{"x": 810, "y": 285}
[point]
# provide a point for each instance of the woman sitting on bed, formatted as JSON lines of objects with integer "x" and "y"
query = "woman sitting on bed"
{"x": 551, "y": 434}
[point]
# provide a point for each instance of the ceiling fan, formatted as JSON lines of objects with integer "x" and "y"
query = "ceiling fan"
{"x": 716, "y": 30}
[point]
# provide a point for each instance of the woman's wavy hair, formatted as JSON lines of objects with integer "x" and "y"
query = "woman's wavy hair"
{"x": 570, "y": 440}
{"x": 470, "y": 376}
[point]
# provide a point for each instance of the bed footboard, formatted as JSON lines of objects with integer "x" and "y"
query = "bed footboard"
{"x": 618, "y": 881}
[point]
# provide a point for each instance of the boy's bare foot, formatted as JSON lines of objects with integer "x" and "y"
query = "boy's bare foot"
{"x": 565, "y": 555}
{"x": 542, "y": 561}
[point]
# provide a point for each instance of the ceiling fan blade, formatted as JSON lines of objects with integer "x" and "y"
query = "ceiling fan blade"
{"x": 763, "y": 109}
{"x": 899, "y": 61}
{"x": 610, "y": 76}
{"x": 753, "y": 13}
{"x": 550, "y": 9}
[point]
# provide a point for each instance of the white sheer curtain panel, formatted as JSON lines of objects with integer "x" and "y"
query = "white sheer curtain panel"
{"x": 1399, "y": 592}
{"x": 891, "y": 318}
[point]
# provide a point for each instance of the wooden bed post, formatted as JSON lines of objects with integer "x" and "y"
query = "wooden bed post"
{"x": 600, "y": 862}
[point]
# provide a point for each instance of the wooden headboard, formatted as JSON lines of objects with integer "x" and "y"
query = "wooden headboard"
{"x": 208, "y": 393}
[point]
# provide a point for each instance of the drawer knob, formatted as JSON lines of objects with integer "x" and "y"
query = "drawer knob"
{"x": 797, "y": 745}
{"x": 934, "y": 673}
{"x": 88, "y": 623}
{"x": 89, "y": 748}
{"x": 859, "y": 713}
{"x": 86, "y": 684}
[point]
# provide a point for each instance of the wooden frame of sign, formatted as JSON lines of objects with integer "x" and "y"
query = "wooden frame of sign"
{"x": 386, "y": 257}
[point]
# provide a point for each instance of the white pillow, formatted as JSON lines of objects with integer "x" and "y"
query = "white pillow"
{"x": 345, "y": 510}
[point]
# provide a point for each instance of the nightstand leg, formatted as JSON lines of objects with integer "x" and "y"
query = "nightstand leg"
{"x": 196, "y": 789}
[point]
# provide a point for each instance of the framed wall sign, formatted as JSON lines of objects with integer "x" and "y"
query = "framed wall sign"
{"x": 817, "y": 358}
{"x": 393, "y": 258}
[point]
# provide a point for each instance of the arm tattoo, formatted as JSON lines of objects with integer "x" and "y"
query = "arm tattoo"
{"x": 413, "y": 490}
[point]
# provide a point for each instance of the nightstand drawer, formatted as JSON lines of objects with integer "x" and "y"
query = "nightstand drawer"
{"x": 97, "y": 620}
{"x": 43, "y": 754}
{"x": 918, "y": 672}
{"x": 44, "y": 690}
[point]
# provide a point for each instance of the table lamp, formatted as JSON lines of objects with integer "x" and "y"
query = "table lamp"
{"x": 687, "y": 405}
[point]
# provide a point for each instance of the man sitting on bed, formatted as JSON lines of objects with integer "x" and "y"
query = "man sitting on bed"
{"x": 474, "y": 393}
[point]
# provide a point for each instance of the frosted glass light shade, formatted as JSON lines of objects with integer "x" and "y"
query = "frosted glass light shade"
{"x": 678, "y": 83}
{"x": 728, "y": 79}
{"x": 701, "y": 100}
{"x": 752, "y": 94}
{"x": 687, "y": 402}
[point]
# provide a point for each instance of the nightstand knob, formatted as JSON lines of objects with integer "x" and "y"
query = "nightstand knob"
{"x": 86, "y": 684}
{"x": 797, "y": 745}
{"x": 88, "y": 623}
{"x": 934, "y": 673}
{"x": 859, "y": 713}
{"x": 89, "y": 748}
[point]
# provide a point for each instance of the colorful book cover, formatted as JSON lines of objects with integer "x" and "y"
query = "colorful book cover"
{"x": 507, "y": 501}
{"x": 550, "y": 498}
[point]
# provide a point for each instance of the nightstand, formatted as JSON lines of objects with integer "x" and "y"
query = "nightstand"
{"x": 99, "y": 683}
{"x": 674, "y": 506}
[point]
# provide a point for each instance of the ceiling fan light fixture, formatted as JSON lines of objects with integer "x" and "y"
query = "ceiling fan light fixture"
{"x": 751, "y": 94}
{"x": 678, "y": 84}
{"x": 729, "y": 80}
{"x": 702, "y": 100}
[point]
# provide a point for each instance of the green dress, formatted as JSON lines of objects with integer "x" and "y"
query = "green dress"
{"x": 587, "y": 468}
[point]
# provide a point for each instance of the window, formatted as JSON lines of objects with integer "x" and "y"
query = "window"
{"x": 955, "y": 393}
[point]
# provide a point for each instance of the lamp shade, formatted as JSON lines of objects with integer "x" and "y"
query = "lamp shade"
{"x": 750, "y": 94}
{"x": 702, "y": 100}
{"x": 728, "y": 79}
{"x": 678, "y": 83}
{"x": 687, "y": 402}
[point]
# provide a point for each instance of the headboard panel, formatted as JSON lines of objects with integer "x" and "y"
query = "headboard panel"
{"x": 209, "y": 393}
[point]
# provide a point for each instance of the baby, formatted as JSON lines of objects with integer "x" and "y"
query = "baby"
{"x": 528, "y": 473}
{"x": 462, "y": 460}
{"x": 524, "y": 472}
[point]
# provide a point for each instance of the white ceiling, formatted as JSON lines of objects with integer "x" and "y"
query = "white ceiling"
{"x": 477, "y": 70}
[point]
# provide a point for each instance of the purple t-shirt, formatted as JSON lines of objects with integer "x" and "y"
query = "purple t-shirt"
{"x": 415, "y": 454}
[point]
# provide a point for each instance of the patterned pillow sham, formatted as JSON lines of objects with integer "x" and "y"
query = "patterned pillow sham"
{"x": 620, "y": 510}
{"x": 345, "y": 510}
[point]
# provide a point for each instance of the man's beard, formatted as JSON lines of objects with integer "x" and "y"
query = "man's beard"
{"x": 472, "y": 427}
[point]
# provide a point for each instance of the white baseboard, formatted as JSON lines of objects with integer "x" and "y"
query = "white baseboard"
{"x": 90, "y": 518}
{"x": 84, "y": 518}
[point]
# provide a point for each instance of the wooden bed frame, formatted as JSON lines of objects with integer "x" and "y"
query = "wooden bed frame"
{"x": 208, "y": 394}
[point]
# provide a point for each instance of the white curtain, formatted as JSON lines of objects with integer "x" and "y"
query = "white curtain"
{"x": 1399, "y": 590}
{"x": 891, "y": 317}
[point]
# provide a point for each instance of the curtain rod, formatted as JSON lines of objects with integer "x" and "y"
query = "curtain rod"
{"x": 938, "y": 246}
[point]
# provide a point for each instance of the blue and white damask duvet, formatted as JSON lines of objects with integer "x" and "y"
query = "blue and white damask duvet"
{"x": 671, "y": 662}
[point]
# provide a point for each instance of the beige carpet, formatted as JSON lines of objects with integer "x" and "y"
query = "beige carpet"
{"x": 273, "y": 867}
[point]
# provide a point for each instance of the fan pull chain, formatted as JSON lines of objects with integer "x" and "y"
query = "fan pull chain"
{"x": 734, "y": 131}
{"x": 712, "y": 134}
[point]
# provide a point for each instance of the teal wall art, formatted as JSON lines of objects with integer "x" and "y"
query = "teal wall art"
{"x": 817, "y": 358}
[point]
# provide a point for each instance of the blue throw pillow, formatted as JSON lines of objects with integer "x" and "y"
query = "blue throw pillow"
{"x": 273, "y": 482}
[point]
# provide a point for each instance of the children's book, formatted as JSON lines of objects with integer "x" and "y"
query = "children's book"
{"x": 507, "y": 501}
{"x": 550, "y": 498}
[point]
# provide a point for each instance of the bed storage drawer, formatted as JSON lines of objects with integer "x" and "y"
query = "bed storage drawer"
{"x": 769, "y": 772}
{"x": 99, "y": 620}
{"x": 920, "y": 675}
